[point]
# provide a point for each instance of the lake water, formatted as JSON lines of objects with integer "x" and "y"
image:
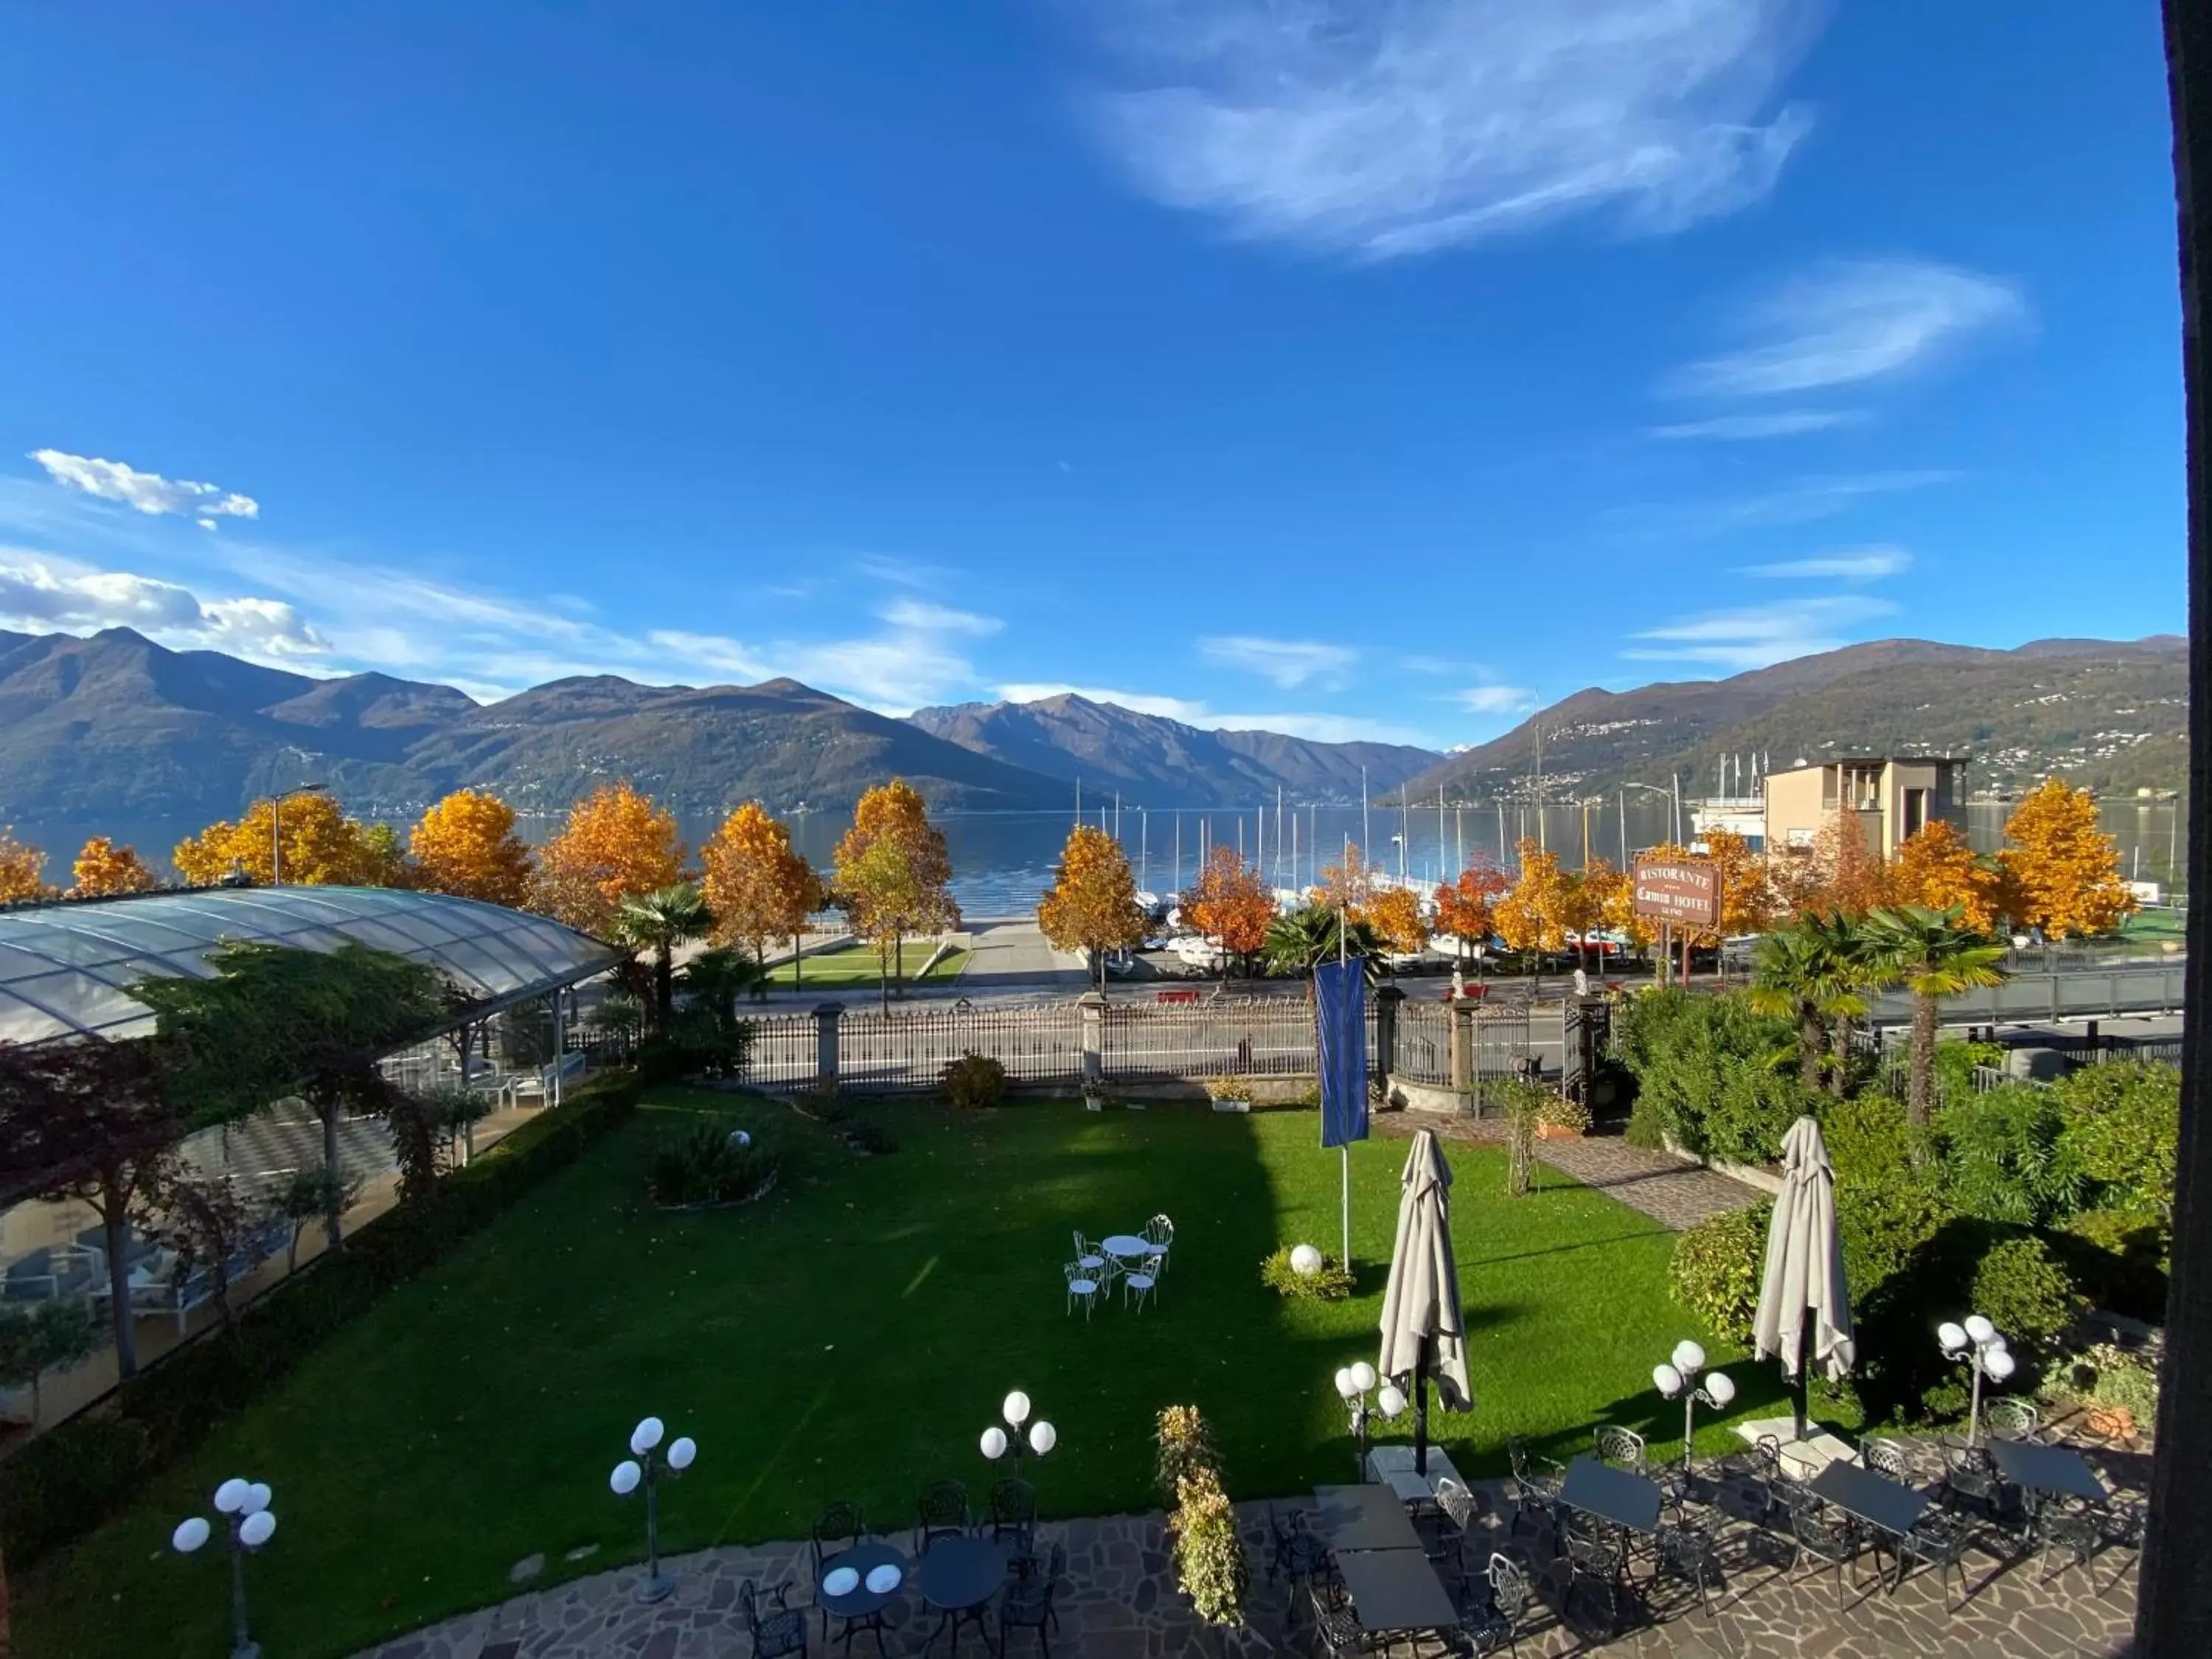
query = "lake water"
{"x": 1002, "y": 861}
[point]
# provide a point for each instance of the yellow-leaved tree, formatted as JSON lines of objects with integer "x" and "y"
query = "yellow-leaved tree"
{"x": 322, "y": 847}
{"x": 1937, "y": 870}
{"x": 618, "y": 844}
{"x": 1847, "y": 880}
{"x": 1230, "y": 904}
{"x": 1347, "y": 885}
{"x": 1395, "y": 914}
{"x": 893, "y": 874}
{"x": 2064, "y": 873}
{"x": 1534, "y": 915}
{"x": 759, "y": 887}
{"x": 465, "y": 845}
{"x": 103, "y": 870}
{"x": 1466, "y": 908}
{"x": 20, "y": 867}
{"x": 1092, "y": 908}
{"x": 1608, "y": 900}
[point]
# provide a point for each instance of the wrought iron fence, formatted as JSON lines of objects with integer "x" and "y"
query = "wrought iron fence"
{"x": 785, "y": 1051}
{"x": 910, "y": 1050}
{"x": 1425, "y": 1043}
{"x": 1227, "y": 1037}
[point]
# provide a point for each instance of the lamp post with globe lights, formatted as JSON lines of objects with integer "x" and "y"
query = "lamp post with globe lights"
{"x": 244, "y": 1505}
{"x": 1677, "y": 1377}
{"x": 645, "y": 1469}
{"x": 1353, "y": 1384}
{"x": 998, "y": 1443}
{"x": 1980, "y": 1346}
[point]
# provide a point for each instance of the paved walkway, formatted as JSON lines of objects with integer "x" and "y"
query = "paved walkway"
{"x": 1119, "y": 1601}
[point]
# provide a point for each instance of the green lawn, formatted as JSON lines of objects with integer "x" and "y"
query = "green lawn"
{"x": 858, "y": 964}
{"x": 850, "y": 1336}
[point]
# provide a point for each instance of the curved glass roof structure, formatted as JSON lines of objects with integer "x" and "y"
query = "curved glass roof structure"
{"x": 65, "y": 969}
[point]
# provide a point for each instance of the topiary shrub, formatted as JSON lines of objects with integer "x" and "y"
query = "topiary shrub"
{"x": 1331, "y": 1283}
{"x": 1884, "y": 1221}
{"x": 2027, "y": 1294}
{"x": 973, "y": 1081}
{"x": 1716, "y": 1269}
{"x": 708, "y": 1166}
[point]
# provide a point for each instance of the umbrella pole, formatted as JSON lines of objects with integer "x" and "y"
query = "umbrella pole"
{"x": 1421, "y": 1409}
{"x": 1804, "y": 1369}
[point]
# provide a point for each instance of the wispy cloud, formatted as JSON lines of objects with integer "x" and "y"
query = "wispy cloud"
{"x": 1398, "y": 129}
{"x": 1863, "y": 564}
{"x": 1758, "y": 636}
{"x": 1802, "y": 500}
{"x": 1289, "y": 663}
{"x": 1787, "y": 423}
{"x": 920, "y": 617}
{"x": 41, "y": 593}
{"x": 145, "y": 492}
{"x": 1497, "y": 700}
{"x": 1315, "y": 726}
{"x": 1849, "y": 321}
{"x": 903, "y": 572}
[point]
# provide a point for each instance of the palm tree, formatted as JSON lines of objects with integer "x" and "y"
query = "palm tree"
{"x": 1817, "y": 971}
{"x": 660, "y": 921}
{"x": 1300, "y": 941}
{"x": 715, "y": 980}
{"x": 1935, "y": 956}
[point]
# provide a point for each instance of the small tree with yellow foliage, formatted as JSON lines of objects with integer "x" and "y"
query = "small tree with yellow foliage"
{"x": 2064, "y": 872}
{"x": 1092, "y": 908}
{"x": 1230, "y": 904}
{"x": 1395, "y": 914}
{"x": 618, "y": 844}
{"x": 1466, "y": 908}
{"x": 1347, "y": 885}
{"x": 1937, "y": 871}
{"x": 894, "y": 875}
{"x": 19, "y": 868}
{"x": 466, "y": 846}
{"x": 103, "y": 870}
{"x": 1534, "y": 915}
{"x": 759, "y": 888}
{"x": 322, "y": 847}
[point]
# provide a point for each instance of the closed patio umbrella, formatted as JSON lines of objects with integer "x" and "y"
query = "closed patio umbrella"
{"x": 1803, "y": 1301}
{"x": 1423, "y": 1332}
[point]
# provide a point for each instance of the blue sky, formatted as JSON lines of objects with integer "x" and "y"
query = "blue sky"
{"x": 1351, "y": 369}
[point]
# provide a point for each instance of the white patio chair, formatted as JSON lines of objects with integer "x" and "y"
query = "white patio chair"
{"x": 1092, "y": 1258}
{"x": 1159, "y": 1233}
{"x": 1142, "y": 1282}
{"x": 1083, "y": 1286}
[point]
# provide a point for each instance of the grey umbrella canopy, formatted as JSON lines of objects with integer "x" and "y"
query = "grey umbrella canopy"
{"x": 1423, "y": 1332}
{"x": 1803, "y": 1297}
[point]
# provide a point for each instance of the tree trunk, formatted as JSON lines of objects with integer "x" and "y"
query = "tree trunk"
{"x": 1918, "y": 1100}
{"x": 335, "y": 1195}
{"x": 797, "y": 966}
{"x": 114, "y": 1207}
{"x": 1839, "y": 1058}
{"x": 664, "y": 985}
{"x": 1812, "y": 1041}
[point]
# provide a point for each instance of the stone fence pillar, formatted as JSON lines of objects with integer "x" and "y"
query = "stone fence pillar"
{"x": 1385, "y": 1030}
{"x": 826, "y": 1016}
{"x": 1462, "y": 1043}
{"x": 1092, "y": 1005}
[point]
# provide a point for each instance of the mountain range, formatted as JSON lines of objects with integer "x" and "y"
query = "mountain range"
{"x": 2109, "y": 714}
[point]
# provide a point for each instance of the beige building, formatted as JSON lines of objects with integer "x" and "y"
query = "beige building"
{"x": 1894, "y": 798}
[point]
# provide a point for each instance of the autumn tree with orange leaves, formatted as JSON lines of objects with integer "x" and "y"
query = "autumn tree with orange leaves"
{"x": 103, "y": 870}
{"x": 1615, "y": 893}
{"x": 466, "y": 846}
{"x": 1937, "y": 870}
{"x": 894, "y": 875}
{"x": 618, "y": 844}
{"x": 322, "y": 847}
{"x": 1092, "y": 906}
{"x": 1466, "y": 907}
{"x": 759, "y": 887}
{"x": 1534, "y": 915}
{"x": 1847, "y": 878}
{"x": 20, "y": 867}
{"x": 1230, "y": 904}
{"x": 2064, "y": 872}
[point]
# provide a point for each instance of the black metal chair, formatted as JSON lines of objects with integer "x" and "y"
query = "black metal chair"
{"x": 780, "y": 1631}
{"x": 1536, "y": 1482}
{"x": 1013, "y": 1512}
{"x": 1937, "y": 1539}
{"x": 1293, "y": 1552}
{"x": 1337, "y": 1634}
{"x": 1622, "y": 1448}
{"x": 1885, "y": 1457}
{"x": 941, "y": 1512}
{"x": 1835, "y": 1542}
{"x": 1686, "y": 1550}
{"x": 1027, "y": 1601}
{"x": 837, "y": 1527}
{"x": 1491, "y": 1605}
{"x": 2073, "y": 1530}
{"x": 1442, "y": 1526}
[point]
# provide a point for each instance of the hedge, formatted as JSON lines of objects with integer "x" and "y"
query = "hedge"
{"x": 67, "y": 1481}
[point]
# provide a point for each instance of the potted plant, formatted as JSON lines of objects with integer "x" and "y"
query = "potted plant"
{"x": 1562, "y": 1119}
{"x": 1229, "y": 1094}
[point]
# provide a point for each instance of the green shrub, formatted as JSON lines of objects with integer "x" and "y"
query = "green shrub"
{"x": 1868, "y": 1138}
{"x": 2121, "y": 1130}
{"x": 1716, "y": 1269}
{"x": 1884, "y": 1221}
{"x": 1332, "y": 1283}
{"x": 1711, "y": 1074}
{"x": 2004, "y": 1158}
{"x": 2110, "y": 1376}
{"x": 1955, "y": 1065}
{"x": 1562, "y": 1112}
{"x": 2117, "y": 1260}
{"x": 2020, "y": 1285}
{"x": 973, "y": 1081}
{"x": 706, "y": 1165}
{"x": 68, "y": 1480}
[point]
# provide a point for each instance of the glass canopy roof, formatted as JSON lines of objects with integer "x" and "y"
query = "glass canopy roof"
{"x": 65, "y": 969}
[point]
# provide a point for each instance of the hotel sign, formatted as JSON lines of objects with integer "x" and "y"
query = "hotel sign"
{"x": 1682, "y": 891}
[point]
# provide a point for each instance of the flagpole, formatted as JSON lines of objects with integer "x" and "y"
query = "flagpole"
{"x": 1344, "y": 1148}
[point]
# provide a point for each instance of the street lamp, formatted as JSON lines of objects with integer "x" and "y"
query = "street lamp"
{"x": 245, "y": 1504}
{"x": 997, "y": 1443}
{"x": 1980, "y": 1346}
{"x": 1353, "y": 1384}
{"x": 646, "y": 1468}
{"x": 276, "y": 825}
{"x": 1679, "y": 1378}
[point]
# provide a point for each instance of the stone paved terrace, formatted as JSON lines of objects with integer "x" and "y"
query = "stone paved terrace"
{"x": 1119, "y": 1602}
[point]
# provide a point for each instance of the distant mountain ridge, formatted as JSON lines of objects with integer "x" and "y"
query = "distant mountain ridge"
{"x": 1107, "y": 746}
{"x": 2109, "y": 714}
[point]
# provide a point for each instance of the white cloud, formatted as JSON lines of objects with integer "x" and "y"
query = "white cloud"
{"x": 1289, "y": 663}
{"x": 1863, "y": 564}
{"x": 145, "y": 492}
{"x": 924, "y": 618}
{"x": 1401, "y": 128}
{"x": 1849, "y": 321}
{"x": 1759, "y": 636}
{"x": 1786, "y": 423}
{"x": 1802, "y": 501}
{"x": 39, "y": 594}
{"x": 1315, "y": 728}
{"x": 1497, "y": 700}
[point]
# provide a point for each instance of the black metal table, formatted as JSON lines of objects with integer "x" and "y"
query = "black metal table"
{"x": 1873, "y": 1499}
{"x": 2056, "y": 1469}
{"x": 1396, "y": 1590}
{"x": 861, "y": 1608}
{"x": 959, "y": 1576}
{"x": 1620, "y": 1496}
{"x": 1362, "y": 1518}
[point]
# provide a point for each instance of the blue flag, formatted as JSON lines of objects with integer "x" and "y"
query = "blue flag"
{"x": 1340, "y": 998}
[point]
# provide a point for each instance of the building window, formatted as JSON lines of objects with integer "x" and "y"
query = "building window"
{"x": 1916, "y": 812}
